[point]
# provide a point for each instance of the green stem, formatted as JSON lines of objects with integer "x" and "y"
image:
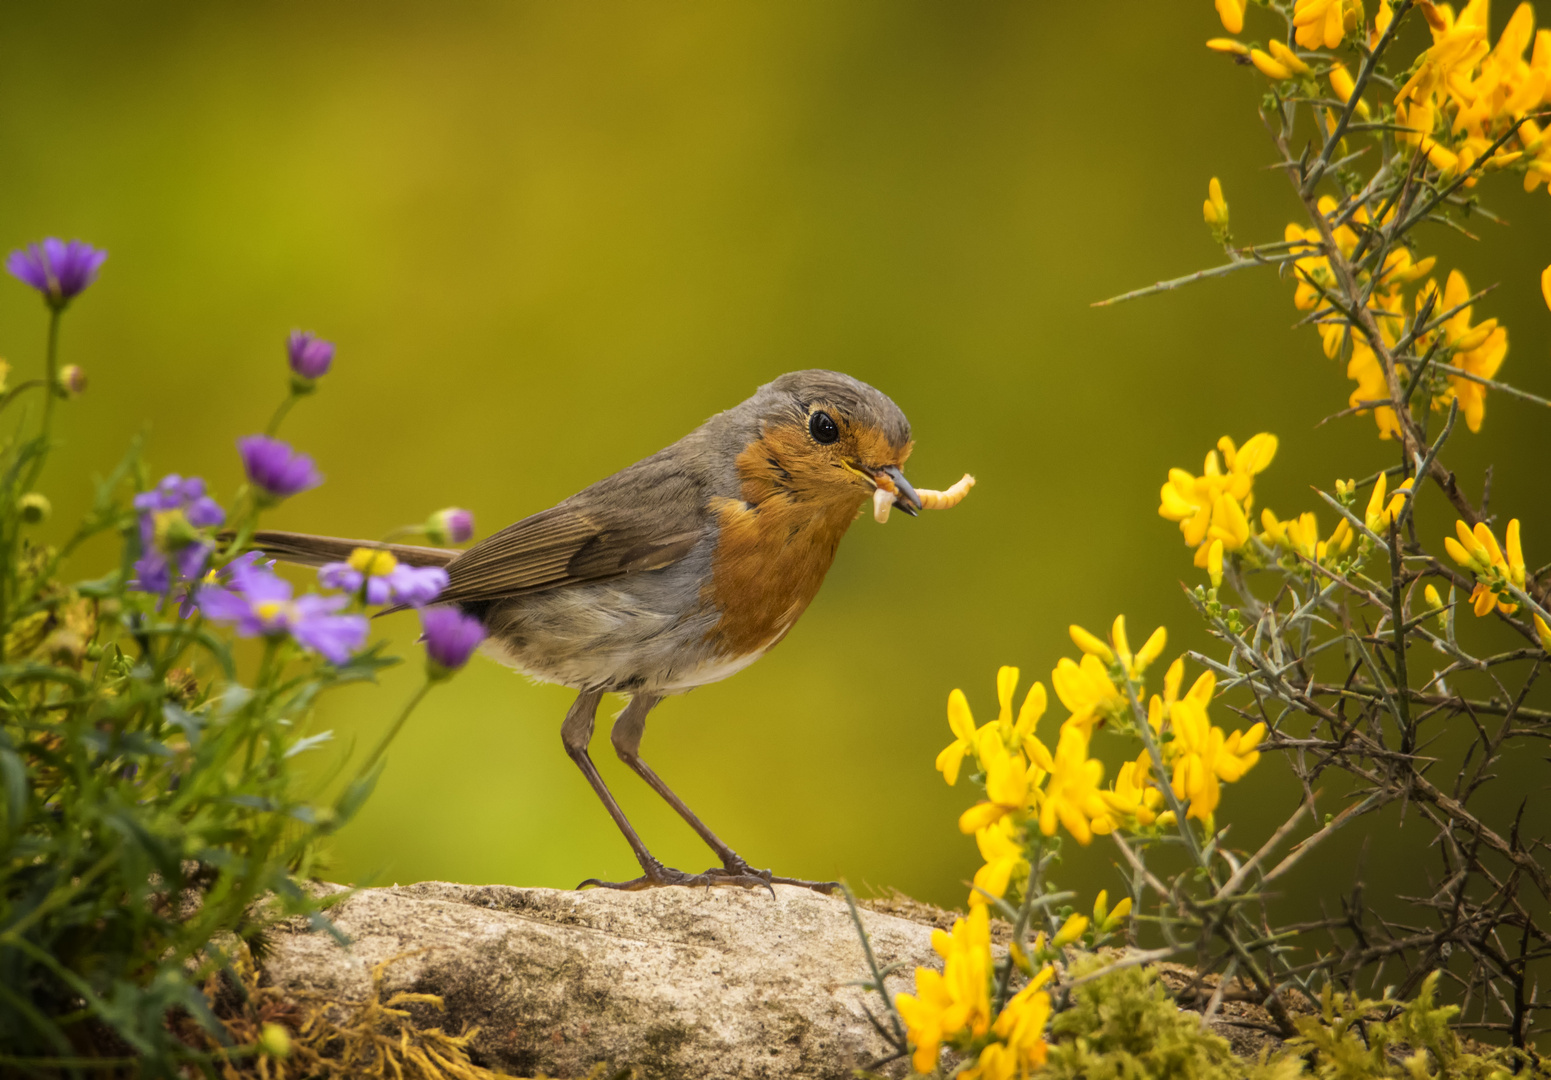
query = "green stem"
{"x": 285, "y": 407}
{"x": 51, "y": 379}
{"x": 382, "y": 747}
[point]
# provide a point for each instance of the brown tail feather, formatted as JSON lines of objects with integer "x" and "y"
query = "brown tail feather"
{"x": 310, "y": 550}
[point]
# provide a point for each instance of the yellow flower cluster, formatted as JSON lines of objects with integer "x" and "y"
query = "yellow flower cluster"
{"x": 1199, "y": 755}
{"x": 1020, "y": 1035}
{"x": 1462, "y": 95}
{"x": 1495, "y": 568}
{"x": 1024, "y": 781}
{"x": 954, "y": 1006}
{"x": 1214, "y": 508}
{"x": 1486, "y": 88}
{"x": 1027, "y": 784}
{"x": 1386, "y": 301}
{"x": 1478, "y": 349}
{"x": 956, "y": 999}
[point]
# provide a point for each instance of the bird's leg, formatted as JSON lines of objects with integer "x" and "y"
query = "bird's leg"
{"x": 575, "y": 733}
{"x": 626, "y": 736}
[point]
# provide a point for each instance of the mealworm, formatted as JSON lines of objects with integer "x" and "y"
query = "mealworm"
{"x": 883, "y": 499}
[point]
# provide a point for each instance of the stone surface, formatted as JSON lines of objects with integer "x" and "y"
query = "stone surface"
{"x": 690, "y": 983}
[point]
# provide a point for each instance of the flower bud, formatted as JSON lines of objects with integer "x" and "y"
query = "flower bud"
{"x": 34, "y": 508}
{"x": 1269, "y": 67}
{"x": 1214, "y": 563}
{"x": 1231, "y": 12}
{"x": 310, "y": 356}
{"x": 1288, "y": 59}
{"x": 1117, "y": 916}
{"x": 1074, "y": 928}
{"x": 71, "y": 381}
{"x": 1228, "y": 45}
{"x": 1543, "y": 632}
{"x": 453, "y": 525}
{"x": 1090, "y": 644}
{"x": 274, "y": 1041}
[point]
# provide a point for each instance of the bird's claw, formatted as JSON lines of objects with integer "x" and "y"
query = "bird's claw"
{"x": 659, "y": 876}
{"x": 737, "y": 873}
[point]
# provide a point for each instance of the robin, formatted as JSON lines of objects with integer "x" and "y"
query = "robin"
{"x": 675, "y": 572}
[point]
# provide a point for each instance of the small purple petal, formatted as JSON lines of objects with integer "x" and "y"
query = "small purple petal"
{"x": 450, "y": 636}
{"x": 222, "y": 604}
{"x": 57, "y": 269}
{"x": 339, "y": 575}
{"x": 310, "y": 356}
{"x": 276, "y": 468}
{"x": 204, "y": 513}
{"x": 416, "y": 585}
{"x": 152, "y": 574}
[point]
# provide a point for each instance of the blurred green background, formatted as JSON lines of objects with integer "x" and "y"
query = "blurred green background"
{"x": 550, "y": 239}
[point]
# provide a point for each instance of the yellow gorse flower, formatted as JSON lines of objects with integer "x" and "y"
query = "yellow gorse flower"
{"x": 1478, "y": 349}
{"x": 1012, "y": 732}
{"x": 1216, "y": 504}
{"x": 1010, "y": 781}
{"x": 1203, "y": 756}
{"x": 1071, "y": 930}
{"x": 1321, "y": 24}
{"x": 1133, "y": 801}
{"x": 1494, "y": 568}
{"x": 1543, "y": 632}
{"x": 1020, "y": 1034}
{"x": 1002, "y": 849}
{"x": 1379, "y": 514}
{"x": 1231, "y": 12}
{"x": 1215, "y": 209}
{"x": 1072, "y": 794}
{"x": 956, "y": 1000}
{"x": 1199, "y": 754}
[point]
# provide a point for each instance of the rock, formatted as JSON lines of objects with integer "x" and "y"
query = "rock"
{"x": 682, "y": 983}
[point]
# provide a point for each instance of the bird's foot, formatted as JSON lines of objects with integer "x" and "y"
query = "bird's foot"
{"x": 736, "y": 866}
{"x": 658, "y": 875}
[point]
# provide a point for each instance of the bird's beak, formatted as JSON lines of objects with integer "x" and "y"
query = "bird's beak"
{"x": 892, "y": 480}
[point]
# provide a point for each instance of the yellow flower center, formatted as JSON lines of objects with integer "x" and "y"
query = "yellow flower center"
{"x": 373, "y": 562}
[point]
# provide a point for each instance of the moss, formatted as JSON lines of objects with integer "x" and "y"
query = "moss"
{"x": 1125, "y": 1026}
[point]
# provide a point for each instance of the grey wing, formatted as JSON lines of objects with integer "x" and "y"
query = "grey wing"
{"x": 644, "y": 518}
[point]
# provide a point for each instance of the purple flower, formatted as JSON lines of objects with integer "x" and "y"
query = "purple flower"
{"x": 450, "y": 638}
{"x": 310, "y": 355}
{"x": 453, "y": 525}
{"x": 56, "y": 269}
{"x": 276, "y": 468}
{"x": 260, "y": 605}
{"x": 382, "y": 579}
{"x": 172, "y": 517}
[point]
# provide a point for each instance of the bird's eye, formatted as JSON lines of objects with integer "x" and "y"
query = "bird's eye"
{"x": 822, "y": 428}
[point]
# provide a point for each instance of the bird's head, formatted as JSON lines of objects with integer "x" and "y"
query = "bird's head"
{"x": 828, "y": 437}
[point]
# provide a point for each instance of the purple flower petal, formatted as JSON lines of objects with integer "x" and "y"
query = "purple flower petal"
{"x": 340, "y": 575}
{"x": 416, "y": 585}
{"x": 276, "y": 468}
{"x": 204, "y": 513}
{"x": 450, "y": 636}
{"x": 152, "y": 574}
{"x": 58, "y": 270}
{"x": 310, "y": 356}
